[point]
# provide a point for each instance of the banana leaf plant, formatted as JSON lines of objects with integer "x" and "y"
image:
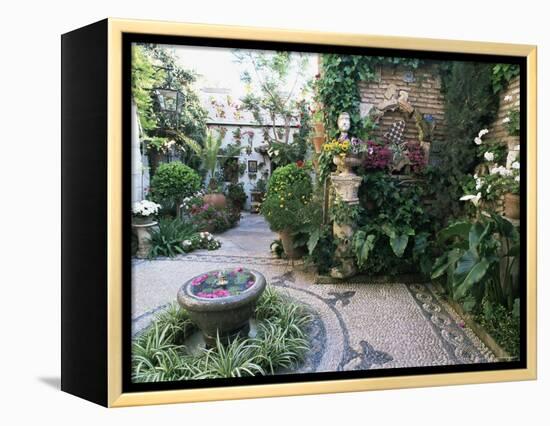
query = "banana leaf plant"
{"x": 474, "y": 253}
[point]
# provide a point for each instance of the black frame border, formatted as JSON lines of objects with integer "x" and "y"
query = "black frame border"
{"x": 129, "y": 38}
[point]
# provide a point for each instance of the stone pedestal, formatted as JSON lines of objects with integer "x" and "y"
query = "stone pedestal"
{"x": 346, "y": 186}
{"x": 143, "y": 232}
{"x": 344, "y": 254}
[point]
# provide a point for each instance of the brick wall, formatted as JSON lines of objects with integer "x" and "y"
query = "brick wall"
{"x": 497, "y": 130}
{"x": 424, "y": 88}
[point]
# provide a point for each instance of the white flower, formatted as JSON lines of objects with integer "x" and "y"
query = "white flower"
{"x": 473, "y": 198}
{"x": 489, "y": 188}
{"x": 515, "y": 165}
{"x": 478, "y": 141}
{"x": 506, "y": 120}
{"x": 489, "y": 156}
{"x": 479, "y": 184}
{"x": 482, "y": 132}
{"x": 516, "y": 178}
{"x": 186, "y": 243}
{"x": 145, "y": 208}
{"x": 508, "y": 98}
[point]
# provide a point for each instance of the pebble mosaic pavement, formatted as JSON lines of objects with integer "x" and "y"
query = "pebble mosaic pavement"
{"x": 356, "y": 326}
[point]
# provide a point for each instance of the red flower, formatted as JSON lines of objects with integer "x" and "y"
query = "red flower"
{"x": 300, "y": 163}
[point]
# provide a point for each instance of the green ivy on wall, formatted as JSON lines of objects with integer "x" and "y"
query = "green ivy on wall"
{"x": 502, "y": 74}
{"x": 337, "y": 86}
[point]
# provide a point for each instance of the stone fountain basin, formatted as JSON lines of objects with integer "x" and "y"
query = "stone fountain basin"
{"x": 228, "y": 316}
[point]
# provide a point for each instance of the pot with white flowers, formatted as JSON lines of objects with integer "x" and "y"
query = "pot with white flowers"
{"x": 143, "y": 215}
{"x": 511, "y": 197}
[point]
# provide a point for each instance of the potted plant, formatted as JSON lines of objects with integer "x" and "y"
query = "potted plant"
{"x": 144, "y": 211}
{"x": 319, "y": 131}
{"x": 511, "y": 195}
{"x": 236, "y": 195}
{"x": 285, "y": 206}
{"x": 345, "y": 153}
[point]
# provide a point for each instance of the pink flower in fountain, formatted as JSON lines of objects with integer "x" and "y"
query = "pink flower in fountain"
{"x": 249, "y": 284}
{"x": 220, "y": 293}
{"x": 239, "y": 269}
{"x": 199, "y": 280}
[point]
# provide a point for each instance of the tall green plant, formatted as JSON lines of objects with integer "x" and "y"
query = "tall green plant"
{"x": 210, "y": 152}
{"x": 472, "y": 261}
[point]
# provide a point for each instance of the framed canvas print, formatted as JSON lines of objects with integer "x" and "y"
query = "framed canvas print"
{"x": 253, "y": 212}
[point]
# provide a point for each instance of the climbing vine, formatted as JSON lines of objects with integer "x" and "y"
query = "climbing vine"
{"x": 502, "y": 74}
{"x": 337, "y": 86}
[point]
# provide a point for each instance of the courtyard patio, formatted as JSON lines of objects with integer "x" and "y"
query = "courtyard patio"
{"x": 356, "y": 326}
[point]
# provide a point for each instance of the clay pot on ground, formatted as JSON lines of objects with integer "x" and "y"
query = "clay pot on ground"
{"x": 318, "y": 142}
{"x": 511, "y": 206}
{"x": 216, "y": 199}
{"x": 288, "y": 245}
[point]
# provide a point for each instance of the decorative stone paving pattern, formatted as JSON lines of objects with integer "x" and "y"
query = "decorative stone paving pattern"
{"x": 356, "y": 326}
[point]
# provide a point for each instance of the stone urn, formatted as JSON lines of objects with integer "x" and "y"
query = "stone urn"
{"x": 221, "y": 302}
{"x": 345, "y": 164}
{"x": 347, "y": 187}
{"x": 511, "y": 206}
{"x": 143, "y": 226}
{"x": 216, "y": 199}
{"x": 288, "y": 245}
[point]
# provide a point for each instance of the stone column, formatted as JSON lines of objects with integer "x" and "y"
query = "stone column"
{"x": 346, "y": 187}
{"x": 143, "y": 232}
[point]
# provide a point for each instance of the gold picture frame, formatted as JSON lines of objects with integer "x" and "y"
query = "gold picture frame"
{"x": 116, "y": 28}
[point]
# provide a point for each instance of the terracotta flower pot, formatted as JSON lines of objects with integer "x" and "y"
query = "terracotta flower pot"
{"x": 511, "y": 206}
{"x": 319, "y": 129}
{"x": 288, "y": 245}
{"x": 215, "y": 199}
{"x": 318, "y": 142}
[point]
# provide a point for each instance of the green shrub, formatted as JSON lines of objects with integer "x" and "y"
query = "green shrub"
{"x": 236, "y": 195}
{"x": 173, "y": 182}
{"x": 288, "y": 195}
{"x": 167, "y": 238}
{"x": 502, "y": 324}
